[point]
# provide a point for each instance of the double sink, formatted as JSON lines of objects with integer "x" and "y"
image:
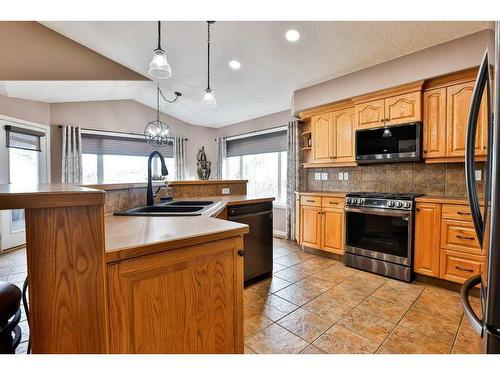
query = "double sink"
{"x": 173, "y": 208}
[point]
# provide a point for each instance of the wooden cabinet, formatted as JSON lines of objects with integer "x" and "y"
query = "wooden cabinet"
{"x": 403, "y": 108}
{"x": 310, "y": 226}
{"x": 427, "y": 238}
{"x": 343, "y": 127}
{"x": 445, "y": 123}
{"x": 445, "y": 242}
{"x": 369, "y": 114}
{"x": 322, "y": 223}
{"x": 181, "y": 301}
{"x": 322, "y": 138}
{"x": 434, "y": 129}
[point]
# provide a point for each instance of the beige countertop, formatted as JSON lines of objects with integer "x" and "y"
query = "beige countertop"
{"x": 442, "y": 199}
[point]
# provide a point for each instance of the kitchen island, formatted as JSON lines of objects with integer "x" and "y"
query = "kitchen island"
{"x": 105, "y": 284}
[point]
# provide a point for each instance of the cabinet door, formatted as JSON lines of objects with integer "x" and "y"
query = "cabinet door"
{"x": 369, "y": 115}
{"x": 403, "y": 108}
{"x": 343, "y": 124}
{"x": 458, "y": 102}
{"x": 332, "y": 234}
{"x": 310, "y": 226}
{"x": 427, "y": 232}
{"x": 434, "y": 138}
{"x": 180, "y": 301}
{"x": 322, "y": 137}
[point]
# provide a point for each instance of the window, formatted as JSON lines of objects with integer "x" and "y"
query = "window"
{"x": 260, "y": 159}
{"x": 115, "y": 159}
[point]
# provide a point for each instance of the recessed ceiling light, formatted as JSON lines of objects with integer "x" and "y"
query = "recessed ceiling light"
{"x": 292, "y": 35}
{"x": 234, "y": 64}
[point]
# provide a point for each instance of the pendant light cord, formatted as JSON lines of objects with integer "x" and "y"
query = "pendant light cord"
{"x": 158, "y": 103}
{"x": 159, "y": 35}
{"x": 208, "y": 54}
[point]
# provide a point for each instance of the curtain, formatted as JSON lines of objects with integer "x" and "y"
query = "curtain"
{"x": 71, "y": 155}
{"x": 293, "y": 176}
{"x": 180, "y": 158}
{"x": 221, "y": 155}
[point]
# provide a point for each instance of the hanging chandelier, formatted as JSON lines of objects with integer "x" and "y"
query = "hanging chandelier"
{"x": 209, "y": 98}
{"x": 157, "y": 132}
{"x": 159, "y": 67}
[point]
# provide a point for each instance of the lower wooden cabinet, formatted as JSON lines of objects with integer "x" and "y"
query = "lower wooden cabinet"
{"x": 446, "y": 247}
{"x": 180, "y": 301}
{"x": 427, "y": 239}
{"x": 322, "y": 223}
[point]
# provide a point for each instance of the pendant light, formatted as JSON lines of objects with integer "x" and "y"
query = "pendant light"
{"x": 209, "y": 98}
{"x": 157, "y": 132}
{"x": 159, "y": 67}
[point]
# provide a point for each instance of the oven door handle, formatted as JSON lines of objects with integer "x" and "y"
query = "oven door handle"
{"x": 379, "y": 211}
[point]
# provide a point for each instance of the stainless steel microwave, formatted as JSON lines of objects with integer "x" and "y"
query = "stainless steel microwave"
{"x": 389, "y": 144}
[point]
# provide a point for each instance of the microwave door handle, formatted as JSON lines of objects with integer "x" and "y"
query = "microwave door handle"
{"x": 474, "y": 320}
{"x": 470, "y": 142}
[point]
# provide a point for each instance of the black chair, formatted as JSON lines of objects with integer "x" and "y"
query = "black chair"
{"x": 10, "y": 315}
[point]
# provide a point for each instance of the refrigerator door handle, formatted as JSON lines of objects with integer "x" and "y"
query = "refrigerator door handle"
{"x": 474, "y": 320}
{"x": 482, "y": 81}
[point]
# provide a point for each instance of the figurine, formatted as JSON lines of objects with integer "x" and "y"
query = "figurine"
{"x": 203, "y": 169}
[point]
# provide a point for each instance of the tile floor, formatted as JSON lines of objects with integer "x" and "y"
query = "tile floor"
{"x": 316, "y": 305}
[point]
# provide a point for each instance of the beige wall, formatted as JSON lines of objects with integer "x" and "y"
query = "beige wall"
{"x": 445, "y": 58}
{"x": 131, "y": 117}
{"x": 28, "y": 110}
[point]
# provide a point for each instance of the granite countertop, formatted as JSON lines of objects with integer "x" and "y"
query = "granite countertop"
{"x": 338, "y": 194}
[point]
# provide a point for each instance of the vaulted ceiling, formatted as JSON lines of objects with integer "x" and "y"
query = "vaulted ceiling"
{"x": 271, "y": 67}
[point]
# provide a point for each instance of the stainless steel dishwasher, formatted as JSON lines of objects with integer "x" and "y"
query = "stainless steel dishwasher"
{"x": 258, "y": 243}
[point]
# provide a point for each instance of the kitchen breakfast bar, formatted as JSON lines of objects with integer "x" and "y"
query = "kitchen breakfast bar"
{"x": 116, "y": 284}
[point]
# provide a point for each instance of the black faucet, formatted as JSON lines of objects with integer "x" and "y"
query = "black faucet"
{"x": 164, "y": 172}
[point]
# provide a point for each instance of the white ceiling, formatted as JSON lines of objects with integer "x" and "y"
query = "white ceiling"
{"x": 272, "y": 68}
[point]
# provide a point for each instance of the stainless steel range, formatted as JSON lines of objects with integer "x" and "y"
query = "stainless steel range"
{"x": 379, "y": 233}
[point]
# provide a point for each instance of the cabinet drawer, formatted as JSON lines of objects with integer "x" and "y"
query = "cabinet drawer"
{"x": 330, "y": 202}
{"x": 307, "y": 200}
{"x": 460, "y": 236}
{"x": 458, "y": 267}
{"x": 456, "y": 212}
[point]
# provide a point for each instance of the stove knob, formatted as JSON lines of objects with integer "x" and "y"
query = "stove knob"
{"x": 348, "y": 200}
{"x": 361, "y": 201}
{"x": 399, "y": 204}
{"x": 390, "y": 203}
{"x": 407, "y": 205}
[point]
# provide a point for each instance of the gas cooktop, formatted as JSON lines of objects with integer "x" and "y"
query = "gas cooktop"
{"x": 381, "y": 200}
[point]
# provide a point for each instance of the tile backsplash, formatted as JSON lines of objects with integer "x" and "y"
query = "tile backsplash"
{"x": 429, "y": 179}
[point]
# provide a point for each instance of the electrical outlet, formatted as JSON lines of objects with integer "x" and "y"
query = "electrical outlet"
{"x": 346, "y": 176}
{"x": 478, "y": 175}
{"x": 226, "y": 191}
{"x": 341, "y": 176}
{"x": 324, "y": 176}
{"x": 317, "y": 175}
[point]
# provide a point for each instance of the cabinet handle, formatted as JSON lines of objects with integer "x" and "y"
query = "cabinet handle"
{"x": 310, "y": 200}
{"x": 465, "y": 237}
{"x": 463, "y": 213}
{"x": 425, "y": 151}
{"x": 241, "y": 253}
{"x": 463, "y": 269}
{"x": 333, "y": 202}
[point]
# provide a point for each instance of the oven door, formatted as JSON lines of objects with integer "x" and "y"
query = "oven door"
{"x": 379, "y": 233}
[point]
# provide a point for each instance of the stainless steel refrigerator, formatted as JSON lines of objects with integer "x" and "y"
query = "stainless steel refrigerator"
{"x": 486, "y": 209}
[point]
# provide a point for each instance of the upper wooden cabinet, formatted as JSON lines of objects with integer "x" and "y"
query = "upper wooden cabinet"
{"x": 403, "y": 108}
{"x": 445, "y": 123}
{"x": 343, "y": 126}
{"x": 369, "y": 114}
{"x": 322, "y": 137}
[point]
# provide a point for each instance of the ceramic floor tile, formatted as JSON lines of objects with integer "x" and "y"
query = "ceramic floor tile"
{"x": 277, "y": 307}
{"x": 399, "y": 292}
{"x": 311, "y": 349}
{"x": 297, "y": 294}
{"x": 335, "y": 273}
{"x": 292, "y": 275}
{"x": 467, "y": 341}
{"x": 386, "y": 350}
{"x": 304, "y": 324}
{"x": 313, "y": 265}
{"x": 328, "y": 308}
{"x": 440, "y": 304}
{"x": 292, "y": 259}
{"x": 276, "y": 340}
{"x": 347, "y": 294}
{"x": 368, "y": 325}
{"x": 248, "y": 350}
{"x": 279, "y": 252}
{"x": 439, "y": 329}
{"x": 278, "y": 267}
{"x": 360, "y": 283}
{"x": 255, "y": 323}
{"x": 340, "y": 340}
{"x": 316, "y": 284}
{"x": 384, "y": 309}
{"x": 407, "y": 341}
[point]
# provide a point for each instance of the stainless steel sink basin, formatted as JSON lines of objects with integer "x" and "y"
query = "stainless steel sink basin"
{"x": 190, "y": 203}
{"x": 164, "y": 210}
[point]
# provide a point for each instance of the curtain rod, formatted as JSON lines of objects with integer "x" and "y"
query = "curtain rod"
{"x": 257, "y": 131}
{"x": 114, "y": 132}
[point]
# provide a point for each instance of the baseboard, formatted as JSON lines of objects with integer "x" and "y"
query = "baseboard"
{"x": 279, "y": 233}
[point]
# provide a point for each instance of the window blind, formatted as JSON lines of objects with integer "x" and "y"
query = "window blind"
{"x": 23, "y": 138}
{"x": 257, "y": 144}
{"x": 115, "y": 145}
